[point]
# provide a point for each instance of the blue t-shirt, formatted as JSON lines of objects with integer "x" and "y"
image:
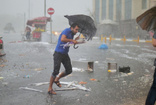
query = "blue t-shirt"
{"x": 59, "y": 47}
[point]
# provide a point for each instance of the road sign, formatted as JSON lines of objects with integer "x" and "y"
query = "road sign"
{"x": 50, "y": 11}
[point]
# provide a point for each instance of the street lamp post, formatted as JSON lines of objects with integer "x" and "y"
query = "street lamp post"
{"x": 24, "y": 20}
{"x": 51, "y": 29}
{"x": 44, "y": 7}
{"x": 29, "y": 10}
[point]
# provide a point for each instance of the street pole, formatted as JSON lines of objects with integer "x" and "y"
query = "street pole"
{"x": 44, "y": 7}
{"x": 51, "y": 28}
{"x": 24, "y": 21}
{"x": 29, "y": 10}
{"x": 50, "y": 12}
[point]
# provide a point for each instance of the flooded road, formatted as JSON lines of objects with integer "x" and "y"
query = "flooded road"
{"x": 32, "y": 62}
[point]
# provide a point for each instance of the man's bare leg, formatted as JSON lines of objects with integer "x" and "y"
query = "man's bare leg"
{"x": 50, "y": 89}
{"x": 62, "y": 74}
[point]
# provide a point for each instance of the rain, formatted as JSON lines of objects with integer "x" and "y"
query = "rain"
{"x": 113, "y": 60}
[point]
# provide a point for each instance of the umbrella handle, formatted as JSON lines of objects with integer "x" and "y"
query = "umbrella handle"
{"x": 75, "y": 47}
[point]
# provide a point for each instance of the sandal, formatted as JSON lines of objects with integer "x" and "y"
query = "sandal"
{"x": 58, "y": 83}
{"x": 51, "y": 92}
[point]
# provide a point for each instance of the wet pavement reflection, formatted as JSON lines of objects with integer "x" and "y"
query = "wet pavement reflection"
{"x": 32, "y": 62}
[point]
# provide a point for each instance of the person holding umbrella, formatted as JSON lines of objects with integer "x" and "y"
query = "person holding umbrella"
{"x": 61, "y": 56}
{"x": 147, "y": 21}
{"x": 151, "y": 98}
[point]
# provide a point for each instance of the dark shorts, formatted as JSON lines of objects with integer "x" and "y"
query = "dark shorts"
{"x": 65, "y": 60}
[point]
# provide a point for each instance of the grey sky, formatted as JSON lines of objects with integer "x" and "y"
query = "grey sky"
{"x": 61, "y": 7}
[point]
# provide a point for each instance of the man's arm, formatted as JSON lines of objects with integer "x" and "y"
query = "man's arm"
{"x": 65, "y": 39}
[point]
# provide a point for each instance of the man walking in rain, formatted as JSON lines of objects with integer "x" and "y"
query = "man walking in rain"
{"x": 61, "y": 56}
{"x": 151, "y": 98}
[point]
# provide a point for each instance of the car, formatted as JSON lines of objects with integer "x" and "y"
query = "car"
{"x": 2, "y": 53}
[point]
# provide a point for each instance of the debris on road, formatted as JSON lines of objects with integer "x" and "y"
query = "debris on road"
{"x": 130, "y": 73}
{"x": 39, "y": 84}
{"x": 80, "y": 87}
{"x": 27, "y": 76}
{"x": 1, "y": 78}
{"x": 81, "y": 83}
{"x": 5, "y": 83}
{"x": 87, "y": 95}
{"x": 26, "y": 88}
{"x": 124, "y": 69}
{"x": 110, "y": 59}
{"x": 112, "y": 71}
{"x": 146, "y": 70}
{"x": 123, "y": 75}
{"x": 66, "y": 89}
{"x": 70, "y": 86}
{"x": 103, "y": 46}
{"x": 92, "y": 79}
{"x": 77, "y": 69}
{"x": 2, "y": 65}
{"x": 112, "y": 67}
{"x": 38, "y": 69}
{"x": 116, "y": 80}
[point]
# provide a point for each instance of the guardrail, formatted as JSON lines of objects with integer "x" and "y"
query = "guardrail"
{"x": 104, "y": 39}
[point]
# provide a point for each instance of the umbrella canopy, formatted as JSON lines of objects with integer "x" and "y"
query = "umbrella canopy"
{"x": 147, "y": 20}
{"x": 86, "y": 24}
{"x": 38, "y": 20}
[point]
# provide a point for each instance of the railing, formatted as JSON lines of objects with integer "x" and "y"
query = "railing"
{"x": 124, "y": 39}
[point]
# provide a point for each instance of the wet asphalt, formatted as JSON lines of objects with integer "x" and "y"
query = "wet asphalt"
{"x": 32, "y": 62}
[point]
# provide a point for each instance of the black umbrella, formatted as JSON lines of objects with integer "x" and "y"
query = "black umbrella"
{"x": 147, "y": 20}
{"x": 86, "y": 24}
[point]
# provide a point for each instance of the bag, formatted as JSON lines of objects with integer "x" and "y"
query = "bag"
{"x": 124, "y": 69}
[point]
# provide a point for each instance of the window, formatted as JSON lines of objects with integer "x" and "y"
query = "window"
{"x": 128, "y": 9}
{"x": 97, "y": 6}
{"x": 103, "y": 9}
{"x": 144, "y": 4}
{"x": 118, "y": 10}
{"x": 111, "y": 6}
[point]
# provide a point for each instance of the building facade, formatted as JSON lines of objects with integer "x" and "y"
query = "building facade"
{"x": 121, "y": 12}
{"x": 120, "y": 9}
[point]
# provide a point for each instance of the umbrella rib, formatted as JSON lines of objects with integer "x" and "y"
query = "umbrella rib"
{"x": 146, "y": 23}
{"x": 85, "y": 22}
{"x": 145, "y": 13}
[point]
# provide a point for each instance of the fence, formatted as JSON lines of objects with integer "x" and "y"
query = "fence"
{"x": 124, "y": 39}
